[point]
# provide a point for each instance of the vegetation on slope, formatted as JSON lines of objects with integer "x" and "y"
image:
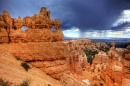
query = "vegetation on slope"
{"x": 90, "y": 55}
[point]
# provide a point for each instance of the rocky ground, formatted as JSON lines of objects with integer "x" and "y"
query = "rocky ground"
{"x": 12, "y": 71}
{"x": 109, "y": 67}
{"x": 66, "y": 62}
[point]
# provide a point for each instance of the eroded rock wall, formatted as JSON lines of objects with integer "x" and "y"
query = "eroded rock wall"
{"x": 77, "y": 59}
{"x": 49, "y": 57}
{"x": 116, "y": 71}
{"x": 39, "y": 28}
{"x": 126, "y": 69}
{"x": 38, "y": 45}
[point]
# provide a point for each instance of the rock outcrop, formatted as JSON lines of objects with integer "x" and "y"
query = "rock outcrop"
{"x": 126, "y": 64}
{"x": 39, "y": 28}
{"x": 100, "y": 58}
{"x": 49, "y": 57}
{"x": 38, "y": 45}
{"x": 126, "y": 69}
{"x": 116, "y": 71}
{"x": 77, "y": 59}
{"x": 69, "y": 80}
{"x": 13, "y": 74}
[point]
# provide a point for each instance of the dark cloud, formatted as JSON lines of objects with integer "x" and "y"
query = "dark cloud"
{"x": 95, "y": 14}
{"x": 84, "y": 14}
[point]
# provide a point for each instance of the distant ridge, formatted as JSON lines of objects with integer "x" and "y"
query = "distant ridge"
{"x": 120, "y": 42}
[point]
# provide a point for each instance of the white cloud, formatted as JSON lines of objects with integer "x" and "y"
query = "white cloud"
{"x": 76, "y": 29}
{"x": 125, "y": 17}
{"x": 67, "y": 30}
{"x": 73, "y": 32}
{"x": 107, "y": 34}
{"x": 127, "y": 29}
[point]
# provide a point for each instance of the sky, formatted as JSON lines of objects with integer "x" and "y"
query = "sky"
{"x": 79, "y": 18}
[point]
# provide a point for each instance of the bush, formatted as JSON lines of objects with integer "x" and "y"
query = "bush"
{"x": 90, "y": 55}
{"x": 17, "y": 58}
{"x": 25, "y": 66}
{"x": 25, "y": 83}
{"x": 105, "y": 49}
{"x": 4, "y": 83}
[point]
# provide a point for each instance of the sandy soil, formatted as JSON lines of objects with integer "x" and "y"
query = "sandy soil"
{"x": 11, "y": 70}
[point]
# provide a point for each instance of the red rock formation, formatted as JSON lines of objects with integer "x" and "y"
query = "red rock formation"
{"x": 38, "y": 45}
{"x": 50, "y": 57}
{"x": 114, "y": 73}
{"x": 77, "y": 59}
{"x": 74, "y": 64}
{"x": 69, "y": 80}
{"x": 3, "y": 36}
{"x": 126, "y": 68}
{"x": 100, "y": 58}
{"x": 126, "y": 65}
{"x": 39, "y": 28}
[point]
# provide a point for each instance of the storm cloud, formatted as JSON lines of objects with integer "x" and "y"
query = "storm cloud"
{"x": 82, "y": 14}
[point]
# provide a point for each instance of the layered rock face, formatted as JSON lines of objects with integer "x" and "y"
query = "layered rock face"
{"x": 39, "y": 28}
{"x": 49, "y": 57}
{"x": 109, "y": 68}
{"x": 101, "y": 57}
{"x": 126, "y": 64}
{"x": 39, "y": 45}
{"x": 112, "y": 74}
{"x": 76, "y": 58}
{"x": 126, "y": 69}
{"x": 116, "y": 71}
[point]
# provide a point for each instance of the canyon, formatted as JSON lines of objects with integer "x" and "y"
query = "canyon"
{"x": 55, "y": 61}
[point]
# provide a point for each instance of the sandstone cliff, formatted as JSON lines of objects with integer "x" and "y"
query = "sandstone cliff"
{"x": 38, "y": 45}
{"x": 116, "y": 71}
{"x": 49, "y": 57}
{"x": 39, "y": 28}
{"x": 12, "y": 71}
{"x": 77, "y": 59}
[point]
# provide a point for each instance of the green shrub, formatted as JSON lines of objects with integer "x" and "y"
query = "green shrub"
{"x": 90, "y": 55}
{"x": 25, "y": 66}
{"x": 25, "y": 83}
{"x": 105, "y": 49}
{"x": 17, "y": 58}
{"x": 4, "y": 83}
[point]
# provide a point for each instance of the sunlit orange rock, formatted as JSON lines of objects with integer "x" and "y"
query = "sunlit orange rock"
{"x": 39, "y": 28}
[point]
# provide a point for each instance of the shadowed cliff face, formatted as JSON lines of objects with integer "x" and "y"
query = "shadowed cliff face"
{"x": 39, "y": 28}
